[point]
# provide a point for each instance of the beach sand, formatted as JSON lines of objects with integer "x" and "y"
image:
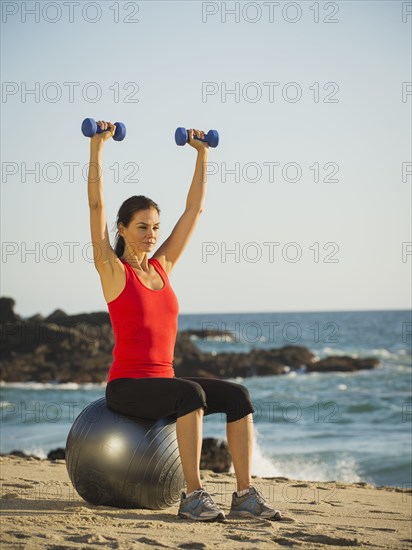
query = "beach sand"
{"x": 41, "y": 509}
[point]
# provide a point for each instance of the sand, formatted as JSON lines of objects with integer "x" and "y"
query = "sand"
{"x": 41, "y": 509}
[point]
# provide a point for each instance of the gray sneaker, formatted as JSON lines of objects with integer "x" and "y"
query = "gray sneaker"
{"x": 252, "y": 505}
{"x": 199, "y": 507}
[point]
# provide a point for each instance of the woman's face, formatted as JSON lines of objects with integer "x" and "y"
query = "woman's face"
{"x": 142, "y": 233}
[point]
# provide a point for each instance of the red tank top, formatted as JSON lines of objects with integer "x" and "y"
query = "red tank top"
{"x": 144, "y": 323}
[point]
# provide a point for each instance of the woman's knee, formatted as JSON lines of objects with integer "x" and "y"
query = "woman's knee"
{"x": 191, "y": 398}
{"x": 239, "y": 392}
{"x": 240, "y": 402}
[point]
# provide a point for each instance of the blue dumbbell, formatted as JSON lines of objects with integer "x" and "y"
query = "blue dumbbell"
{"x": 211, "y": 138}
{"x": 90, "y": 128}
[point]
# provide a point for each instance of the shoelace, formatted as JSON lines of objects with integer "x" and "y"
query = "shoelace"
{"x": 206, "y": 497}
{"x": 260, "y": 498}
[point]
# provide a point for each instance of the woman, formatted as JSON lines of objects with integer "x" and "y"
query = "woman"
{"x": 143, "y": 311}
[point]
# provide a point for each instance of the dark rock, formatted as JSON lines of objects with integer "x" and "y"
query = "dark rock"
{"x": 37, "y": 318}
{"x": 7, "y": 314}
{"x": 19, "y": 453}
{"x": 259, "y": 362}
{"x": 344, "y": 363}
{"x": 57, "y": 454}
{"x": 77, "y": 350}
{"x": 56, "y": 317}
{"x": 215, "y": 455}
{"x": 185, "y": 349}
{"x": 89, "y": 321}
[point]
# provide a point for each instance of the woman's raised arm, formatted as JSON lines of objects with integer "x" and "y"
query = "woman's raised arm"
{"x": 172, "y": 248}
{"x": 103, "y": 254}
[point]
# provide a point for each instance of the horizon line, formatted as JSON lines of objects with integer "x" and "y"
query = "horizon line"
{"x": 268, "y": 312}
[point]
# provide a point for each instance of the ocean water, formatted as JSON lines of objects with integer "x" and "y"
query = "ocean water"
{"x": 332, "y": 426}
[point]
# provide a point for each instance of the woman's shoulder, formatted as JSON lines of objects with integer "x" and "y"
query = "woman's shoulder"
{"x": 156, "y": 261}
{"x": 159, "y": 262}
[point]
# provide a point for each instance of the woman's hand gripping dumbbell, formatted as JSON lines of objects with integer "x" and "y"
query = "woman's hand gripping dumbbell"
{"x": 90, "y": 128}
{"x": 182, "y": 136}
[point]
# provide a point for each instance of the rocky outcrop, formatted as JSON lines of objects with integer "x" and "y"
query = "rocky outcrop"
{"x": 342, "y": 363}
{"x": 215, "y": 455}
{"x": 258, "y": 362}
{"x": 7, "y": 314}
{"x": 78, "y": 348}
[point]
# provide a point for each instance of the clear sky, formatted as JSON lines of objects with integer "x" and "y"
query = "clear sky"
{"x": 313, "y": 107}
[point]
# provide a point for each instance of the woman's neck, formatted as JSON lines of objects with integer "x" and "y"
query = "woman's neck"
{"x": 137, "y": 261}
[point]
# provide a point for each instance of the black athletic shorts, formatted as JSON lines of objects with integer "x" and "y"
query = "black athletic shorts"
{"x": 154, "y": 398}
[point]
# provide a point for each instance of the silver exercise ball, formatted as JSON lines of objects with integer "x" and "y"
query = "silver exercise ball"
{"x": 122, "y": 461}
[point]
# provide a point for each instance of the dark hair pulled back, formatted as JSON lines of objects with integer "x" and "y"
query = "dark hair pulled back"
{"x": 125, "y": 215}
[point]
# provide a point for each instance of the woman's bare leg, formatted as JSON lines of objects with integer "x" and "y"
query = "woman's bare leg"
{"x": 240, "y": 440}
{"x": 189, "y": 440}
